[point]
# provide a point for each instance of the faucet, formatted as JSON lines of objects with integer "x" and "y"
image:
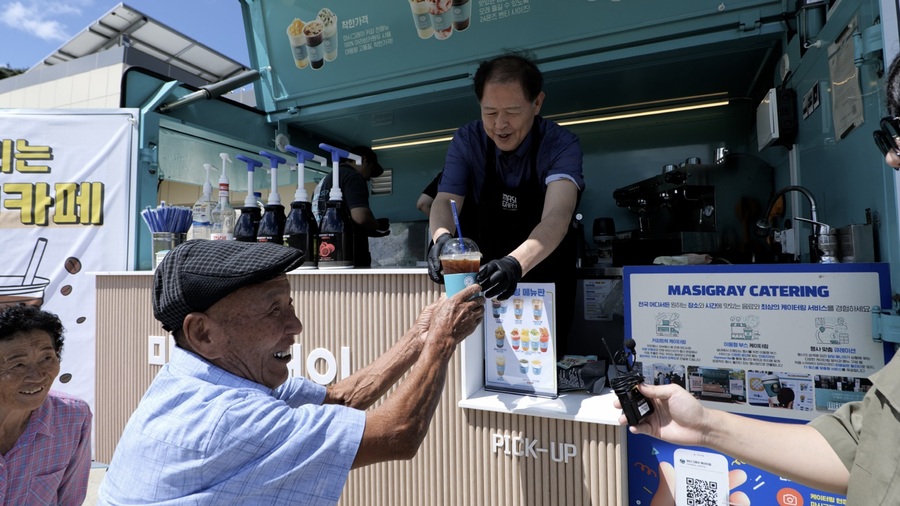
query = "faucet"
{"x": 821, "y": 232}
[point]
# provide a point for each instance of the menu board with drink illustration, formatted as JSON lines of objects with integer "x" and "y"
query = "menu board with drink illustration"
{"x": 316, "y": 52}
{"x": 519, "y": 344}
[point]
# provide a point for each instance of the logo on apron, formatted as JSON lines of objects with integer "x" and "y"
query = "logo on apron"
{"x": 509, "y": 202}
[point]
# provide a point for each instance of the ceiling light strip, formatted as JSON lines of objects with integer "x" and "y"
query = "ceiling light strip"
{"x": 641, "y": 114}
{"x": 595, "y": 119}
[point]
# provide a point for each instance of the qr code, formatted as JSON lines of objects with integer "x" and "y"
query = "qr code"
{"x": 702, "y": 492}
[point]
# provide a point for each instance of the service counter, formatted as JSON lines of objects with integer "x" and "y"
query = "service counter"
{"x": 483, "y": 448}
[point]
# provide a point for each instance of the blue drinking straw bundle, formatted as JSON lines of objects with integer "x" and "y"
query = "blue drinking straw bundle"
{"x": 175, "y": 219}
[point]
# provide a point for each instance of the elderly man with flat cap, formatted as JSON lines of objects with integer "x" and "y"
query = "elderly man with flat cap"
{"x": 222, "y": 423}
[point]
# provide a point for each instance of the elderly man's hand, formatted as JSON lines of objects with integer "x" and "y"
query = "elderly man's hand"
{"x": 459, "y": 315}
{"x": 423, "y": 322}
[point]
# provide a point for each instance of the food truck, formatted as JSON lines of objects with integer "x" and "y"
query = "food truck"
{"x": 697, "y": 119}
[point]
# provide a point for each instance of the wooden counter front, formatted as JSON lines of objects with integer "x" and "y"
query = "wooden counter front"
{"x": 470, "y": 456}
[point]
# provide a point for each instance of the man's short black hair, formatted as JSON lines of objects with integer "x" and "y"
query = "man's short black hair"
{"x": 510, "y": 67}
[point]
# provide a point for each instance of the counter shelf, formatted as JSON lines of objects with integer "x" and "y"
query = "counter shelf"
{"x": 576, "y": 406}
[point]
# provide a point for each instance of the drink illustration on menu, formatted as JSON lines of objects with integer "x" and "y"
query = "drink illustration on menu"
{"x": 440, "y": 18}
{"x": 314, "y": 42}
{"x": 519, "y": 349}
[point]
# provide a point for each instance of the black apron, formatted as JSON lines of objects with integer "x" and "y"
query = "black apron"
{"x": 507, "y": 216}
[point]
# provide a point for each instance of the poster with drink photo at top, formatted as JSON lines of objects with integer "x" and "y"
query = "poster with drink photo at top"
{"x": 519, "y": 344}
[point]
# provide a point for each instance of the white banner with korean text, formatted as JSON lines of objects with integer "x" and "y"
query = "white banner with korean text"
{"x": 65, "y": 201}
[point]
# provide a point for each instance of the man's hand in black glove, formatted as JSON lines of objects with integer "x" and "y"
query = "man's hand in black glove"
{"x": 383, "y": 228}
{"x": 434, "y": 258}
{"x": 498, "y": 278}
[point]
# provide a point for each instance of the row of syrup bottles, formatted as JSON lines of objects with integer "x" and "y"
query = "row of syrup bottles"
{"x": 328, "y": 245}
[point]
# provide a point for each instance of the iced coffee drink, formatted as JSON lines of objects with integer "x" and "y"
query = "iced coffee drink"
{"x": 298, "y": 43}
{"x": 313, "y": 33}
{"x": 461, "y": 265}
{"x": 421, "y": 18}
{"x": 441, "y": 18}
{"x": 460, "y": 261}
{"x": 329, "y": 33}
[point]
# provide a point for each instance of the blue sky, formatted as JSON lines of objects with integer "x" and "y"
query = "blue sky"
{"x": 30, "y": 30}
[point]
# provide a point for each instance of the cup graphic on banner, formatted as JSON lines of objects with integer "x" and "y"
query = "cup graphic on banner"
{"x": 460, "y": 260}
{"x": 441, "y": 18}
{"x": 421, "y": 18}
{"x": 518, "y": 307}
{"x": 462, "y": 12}
{"x": 329, "y": 33}
{"x": 298, "y": 43}
{"x": 495, "y": 308}
{"x": 500, "y": 362}
{"x": 545, "y": 340}
{"x": 28, "y": 288}
{"x": 500, "y": 336}
{"x": 314, "y": 38}
{"x": 523, "y": 366}
{"x": 537, "y": 305}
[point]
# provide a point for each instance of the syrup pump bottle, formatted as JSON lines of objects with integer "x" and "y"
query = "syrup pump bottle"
{"x": 335, "y": 229}
{"x": 301, "y": 230}
{"x": 271, "y": 226}
{"x": 247, "y": 223}
{"x": 223, "y": 214}
{"x": 202, "y": 210}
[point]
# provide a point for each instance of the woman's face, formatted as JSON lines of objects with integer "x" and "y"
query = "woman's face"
{"x": 28, "y": 366}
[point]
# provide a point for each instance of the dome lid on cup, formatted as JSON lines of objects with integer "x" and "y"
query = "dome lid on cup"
{"x": 453, "y": 247}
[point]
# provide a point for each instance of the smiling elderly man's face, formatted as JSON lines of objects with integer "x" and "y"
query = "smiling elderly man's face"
{"x": 257, "y": 324}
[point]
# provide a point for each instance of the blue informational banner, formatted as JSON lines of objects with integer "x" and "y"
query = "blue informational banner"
{"x": 785, "y": 342}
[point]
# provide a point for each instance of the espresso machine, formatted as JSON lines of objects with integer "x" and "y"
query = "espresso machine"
{"x": 695, "y": 208}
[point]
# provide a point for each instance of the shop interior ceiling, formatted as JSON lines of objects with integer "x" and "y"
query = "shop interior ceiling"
{"x": 742, "y": 69}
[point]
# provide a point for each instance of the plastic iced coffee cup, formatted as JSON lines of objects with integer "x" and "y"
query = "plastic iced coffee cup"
{"x": 460, "y": 264}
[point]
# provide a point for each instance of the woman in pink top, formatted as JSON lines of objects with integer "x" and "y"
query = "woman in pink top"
{"x": 45, "y": 437}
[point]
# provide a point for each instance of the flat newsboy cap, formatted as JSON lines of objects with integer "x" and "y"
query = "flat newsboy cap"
{"x": 198, "y": 273}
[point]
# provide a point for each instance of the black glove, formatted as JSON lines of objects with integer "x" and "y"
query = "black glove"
{"x": 382, "y": 228}
{"x": 434, "y": 258}
{"x": 498, "y": 278}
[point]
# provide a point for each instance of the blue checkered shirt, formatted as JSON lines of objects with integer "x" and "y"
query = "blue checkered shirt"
{"x": 203, "y": 436}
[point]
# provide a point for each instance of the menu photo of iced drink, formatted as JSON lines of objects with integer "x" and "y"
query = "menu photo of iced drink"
{"x": 440, "y": 18}
{"x": 519, "y": 348}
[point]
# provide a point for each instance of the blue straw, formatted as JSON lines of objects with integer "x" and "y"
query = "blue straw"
{"x": 462, "y": 246}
